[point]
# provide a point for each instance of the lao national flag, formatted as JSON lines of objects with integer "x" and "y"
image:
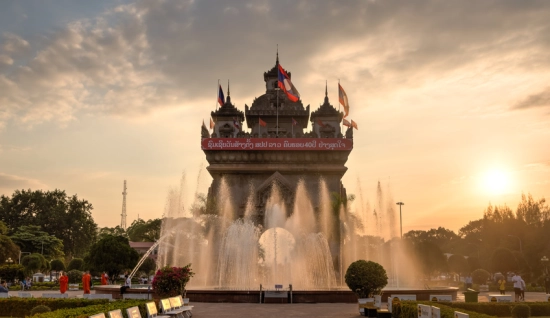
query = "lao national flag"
{"x": 236, "y": 123}
{"x": 221, "y": 98}
{"x": 262, "y": 123}
{"x": 354, "y": 124}
{"x": 346, "y": 123}
{"x": 286, "y": 85}
{"x": 294, "y": 122}
{"x": 320, "y": 123}
{"x": 212, "y": 124}
{"x": 343, "y": 98}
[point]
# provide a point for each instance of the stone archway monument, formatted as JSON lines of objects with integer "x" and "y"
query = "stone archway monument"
{"x": 276, "y": 149}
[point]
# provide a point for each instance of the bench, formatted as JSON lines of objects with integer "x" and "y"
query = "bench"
{"x": 54, "y": 295}
{"x": 383, "y": 313}
{"x": 24, "y": 295}
{"x": 133, "y": 312}
{"x": 101, "y": 315}
{"x": 4, "y": 295}
{"x": 115, "y": 314}
{"x": 499, "y": 298}
{"x": 152, "y": 311}
{"x": 172, "y": 307}
{"x": 98, "y": 296}
{"x": 73, "y": 286}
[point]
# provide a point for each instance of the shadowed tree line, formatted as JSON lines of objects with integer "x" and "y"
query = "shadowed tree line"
{"x": 502, "y": 241}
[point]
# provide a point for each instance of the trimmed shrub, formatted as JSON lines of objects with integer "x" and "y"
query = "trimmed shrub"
{"x": 171, "y": 281}
{"x": 521, "y": 311}
{"x": 76, "y": 263}
{"x": 75, "y": 276}
{"x": 366, "y": 278}
{"x": 408, "y": 309}
{"x": 40, "y": 309}
{"x": 480, "y": 276}
{"x": 502, "y": 309}
{"x": 21, "y": 307}
{"x": 84, "y": 312}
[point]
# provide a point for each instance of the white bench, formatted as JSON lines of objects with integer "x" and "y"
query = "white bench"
{"x": 133, "y": 312}
{"x": 73, "y": 286}
{"x": 98, "y": 296}
{"x": 441, "y": 298}
{"x": 54, "y": 295}
{"x": 4, "y": 295}
{"x": 173, "y": 307}
{"x": 101, "y": 315}
{"x": 499, "y": 298}
{"x": 152, "y": 311}
{"x": 24, "y": 295}
{"x": 115, "y": 314}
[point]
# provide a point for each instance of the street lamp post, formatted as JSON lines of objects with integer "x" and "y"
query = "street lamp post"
{"x": 520, "y": 248}
{"x": 400, "y": 218}
{"x": 544, "y": 260}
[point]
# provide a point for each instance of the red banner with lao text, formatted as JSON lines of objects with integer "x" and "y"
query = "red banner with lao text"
{"x": 276, "y": 144}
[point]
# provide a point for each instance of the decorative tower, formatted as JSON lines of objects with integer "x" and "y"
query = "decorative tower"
{"x": 123, "y": 215}
{"x": 228, "y": 119}
{"x": 326, "y": 120}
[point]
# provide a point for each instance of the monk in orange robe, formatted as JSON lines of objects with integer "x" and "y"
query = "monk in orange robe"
{"x": 63, "y": 283}
{"x": 86, "y": 280}
{"x": 104, "y": 279}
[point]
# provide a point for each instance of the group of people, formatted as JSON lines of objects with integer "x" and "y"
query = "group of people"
{"x": 519, "y": 287}
{"x": 86, "y": 282}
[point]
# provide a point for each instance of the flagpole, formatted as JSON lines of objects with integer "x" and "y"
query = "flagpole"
{"x": 292, "y": 127}
{"x": 341, "y": 122}
{"x": 277, "y": 106}
{"x": 259, "y": 128}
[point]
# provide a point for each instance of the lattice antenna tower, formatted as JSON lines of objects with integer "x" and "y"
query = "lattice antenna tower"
{"x": 123, "y": 215}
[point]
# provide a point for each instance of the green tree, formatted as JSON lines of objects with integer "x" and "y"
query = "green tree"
{"x": 503, "y": 261}
{"x": 430, "y": 258}
{"x": 75, "y": 276}
{"x": 65, "y": 217}
{"x": 148, "y": 266}
{"x": 8, "y": 249}
{"x": 76, "y": 263}
{"x": 144, "y": 231}
{"x": 114, "y": 231}
{"x": 35, "y": 263}
{"x": 366, "y": 278}
{"x": 33, "y": 240}
{"x": 12, "y": 272}
{"x": 480, "y": 276}
{"x": 113, "y": 255}
{"x": 458, "y": 264}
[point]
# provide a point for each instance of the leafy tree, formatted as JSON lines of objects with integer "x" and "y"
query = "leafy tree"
{"x": 148, "y": 266}
{"x": 35, "y": 263}
{"x": 366, "y": 278}
{"x": 12, "y": 272}
{"x": 8, "y": 249}
{"x": 503, "y": 261}
{"x": 144, "y": 231}
{"x": 33, "y": 240}
{"x": 429, "y": 257}
{"x": 76, "y": 263}
{"x": 65, "y": 217}
{"x": 113, "y": 255}
{"x": 480, "y": 276}
{"x": 473, "y": 263}
{"x": 75, "y": 276}
{"x": 458, "y": 264}
{"x": 114, "y": 231}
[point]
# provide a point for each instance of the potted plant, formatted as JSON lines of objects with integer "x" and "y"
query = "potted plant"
{"x": 366, "y": 279}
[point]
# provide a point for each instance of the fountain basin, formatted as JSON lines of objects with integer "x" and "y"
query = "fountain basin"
{"x": 298, "y": 296}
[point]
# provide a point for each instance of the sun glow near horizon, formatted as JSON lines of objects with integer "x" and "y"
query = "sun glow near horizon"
{"x": 496, "y": 181}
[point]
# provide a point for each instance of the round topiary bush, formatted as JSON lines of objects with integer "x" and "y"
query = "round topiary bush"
{"x": 366, "y": 278}
{"x": 75, "y": 276}
{"x": 40, "y": 309}
{"x": 480, "y": 276}
{"x": 521, "y": 311}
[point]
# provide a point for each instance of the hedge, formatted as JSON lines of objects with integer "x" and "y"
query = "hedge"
{"x": 409, "y": 309}
{"x": 21, "y": 307}
{"x": 84, "y": 312}
{"x": 503, "y": 309}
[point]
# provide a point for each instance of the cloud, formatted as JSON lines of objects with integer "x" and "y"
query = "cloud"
{"x": 541, "y": 99}
{"x": 149, "y": 55}
{"x": 12, "y": 182}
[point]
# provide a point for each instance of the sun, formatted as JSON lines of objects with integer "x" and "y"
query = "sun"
{"x": 496, "y": 181}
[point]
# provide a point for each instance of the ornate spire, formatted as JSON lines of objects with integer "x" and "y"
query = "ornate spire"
{"x": 277, "y": 61}
{"x": 228, "y": 93}
{"x": 326, "y": 92}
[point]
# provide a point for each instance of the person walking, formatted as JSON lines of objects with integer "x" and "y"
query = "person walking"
{"x": 468, "y": 280}
{"x": 86, "y": 280}
{"x": 516, "y": 279}
{"x": 547, "y": 284}
{"x": 104, "y": 278}
{"x": 502, "y": 285}
{"x": 522, "y": 287}
{"x": 63, "y": 283}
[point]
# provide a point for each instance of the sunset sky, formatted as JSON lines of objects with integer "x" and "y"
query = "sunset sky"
{"x": 452, "y": 98}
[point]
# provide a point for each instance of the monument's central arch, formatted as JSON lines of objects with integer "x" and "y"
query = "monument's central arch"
{"x": 275, "y": 149}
